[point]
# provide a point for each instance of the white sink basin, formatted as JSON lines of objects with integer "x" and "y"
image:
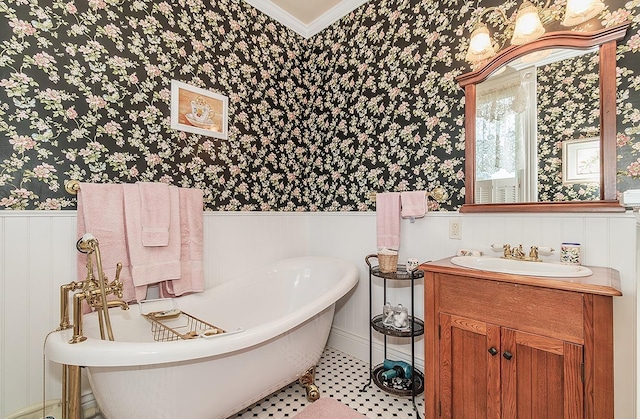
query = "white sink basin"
{"x": 519, "y": 267}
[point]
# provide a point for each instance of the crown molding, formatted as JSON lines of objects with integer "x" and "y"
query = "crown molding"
{"x": 306, "y": 30}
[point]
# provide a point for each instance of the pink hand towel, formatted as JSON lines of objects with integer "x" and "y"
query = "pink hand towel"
{"x": 156, "y": 214}
{"x": 192, "y": 244}
{"x": 101, "y": 213}
{"x": 388, "y": 220}
{"x": 414, "y": 204}
{"x": 151, "y": 265}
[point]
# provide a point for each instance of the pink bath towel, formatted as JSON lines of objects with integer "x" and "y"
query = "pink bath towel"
{"x": 414, "y": 204}
{"x": 151, "y": 265}
{"x": 192, "y": 242}
{"x": 101, "y": 213}
{"x": 156, "y": 213}
{"x": 388, "y": 220}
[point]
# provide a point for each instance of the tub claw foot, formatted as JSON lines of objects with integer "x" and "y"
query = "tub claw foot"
{"x": 313, "y": 393}
{"x": 307, "y": 381}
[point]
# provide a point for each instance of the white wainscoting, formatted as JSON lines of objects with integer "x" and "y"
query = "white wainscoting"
{"x": 37, "y": 255}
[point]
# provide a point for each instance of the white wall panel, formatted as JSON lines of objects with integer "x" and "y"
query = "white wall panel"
{"x": 39, "y": 258}
{"x": 597, "y": 252}
{"x": 35, "y": 258}
{"x": 4, "y": 377}
{"x": 620, "y": 253}
{"x": 551, "y": 235}
{"x": 573, "y": 229}
{"x": 531, "y": 233}
{"x": 15, "y": 318}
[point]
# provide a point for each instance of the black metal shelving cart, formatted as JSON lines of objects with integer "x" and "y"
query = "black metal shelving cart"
{"x": 415, "y": 329}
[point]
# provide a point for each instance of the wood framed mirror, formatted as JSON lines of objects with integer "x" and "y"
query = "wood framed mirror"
{"x": 603, "y": 44}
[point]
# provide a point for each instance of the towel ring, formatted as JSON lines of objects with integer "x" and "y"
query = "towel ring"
{"x": 72, "y": 186}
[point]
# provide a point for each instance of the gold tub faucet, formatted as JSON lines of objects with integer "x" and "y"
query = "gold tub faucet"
{"x": 94, "y": 290}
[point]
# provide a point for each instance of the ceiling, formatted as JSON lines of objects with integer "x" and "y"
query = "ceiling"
{"x": 306, "y": 17}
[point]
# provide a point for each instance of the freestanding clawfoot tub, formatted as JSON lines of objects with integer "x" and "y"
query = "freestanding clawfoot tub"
{"x": 277, "y": 320}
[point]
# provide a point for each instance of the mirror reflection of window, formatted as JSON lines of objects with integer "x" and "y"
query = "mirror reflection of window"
{"x": 501, "y": 133}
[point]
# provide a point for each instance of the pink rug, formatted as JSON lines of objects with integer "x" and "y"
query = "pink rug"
{"x": 328, "y": 408}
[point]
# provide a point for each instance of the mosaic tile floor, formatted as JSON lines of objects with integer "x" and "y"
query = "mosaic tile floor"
{"x": 339, "y": 376}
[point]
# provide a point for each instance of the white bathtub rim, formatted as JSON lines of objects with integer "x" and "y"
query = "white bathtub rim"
{"x": 97, "y": 352}
{"x": 100, "y": 353}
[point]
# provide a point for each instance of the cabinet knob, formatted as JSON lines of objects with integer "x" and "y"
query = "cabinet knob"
{"x": 508, "y": 355}
{"x": 493, "y": 351}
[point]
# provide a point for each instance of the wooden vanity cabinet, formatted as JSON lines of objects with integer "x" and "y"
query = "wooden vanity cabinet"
{"x": 508, "y": 346}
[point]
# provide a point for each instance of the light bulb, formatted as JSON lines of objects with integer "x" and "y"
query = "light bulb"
{"x": 579, "y": 11}
{"x": 528, "y": 25}
{"x": 480, "y": 46}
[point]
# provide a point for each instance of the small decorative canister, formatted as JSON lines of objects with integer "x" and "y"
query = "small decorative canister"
{"x": 412, "y": 263}
{"x": 570, "y": 253}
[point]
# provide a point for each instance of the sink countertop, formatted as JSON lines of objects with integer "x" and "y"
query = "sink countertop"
{"x": 604, "y": 281}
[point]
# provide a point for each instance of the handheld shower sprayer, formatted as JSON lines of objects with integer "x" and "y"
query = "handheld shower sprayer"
{"x": 86, "y": 243}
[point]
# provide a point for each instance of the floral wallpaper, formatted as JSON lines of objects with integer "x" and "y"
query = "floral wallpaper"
{"x": 369, "y": 104}
{"x": 85, "y": 88}
{"x": 566, "y": 88}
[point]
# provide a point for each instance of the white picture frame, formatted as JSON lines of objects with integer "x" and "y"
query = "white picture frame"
{"x": 581, "y": 160}
{"x": 198, "y": 111}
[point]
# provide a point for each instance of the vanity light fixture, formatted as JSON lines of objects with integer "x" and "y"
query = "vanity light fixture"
{"x": 528, "y": 25}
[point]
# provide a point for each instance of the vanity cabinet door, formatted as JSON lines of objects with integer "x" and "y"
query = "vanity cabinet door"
{"x": 541, "y": 377}
{"x": 488, "y": 371}
{"x": 469, "y": 368}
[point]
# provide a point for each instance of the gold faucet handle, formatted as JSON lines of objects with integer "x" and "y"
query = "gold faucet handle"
{"x": 517, "y": 252}
{"x": 533, "y": 253}
{"x": 116, "y": 286}
{"x": 89, "y": 266}
{"x": 507, "y": 250}
{"x": 117, "y": 289}
{"x": 118, "y": 270}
